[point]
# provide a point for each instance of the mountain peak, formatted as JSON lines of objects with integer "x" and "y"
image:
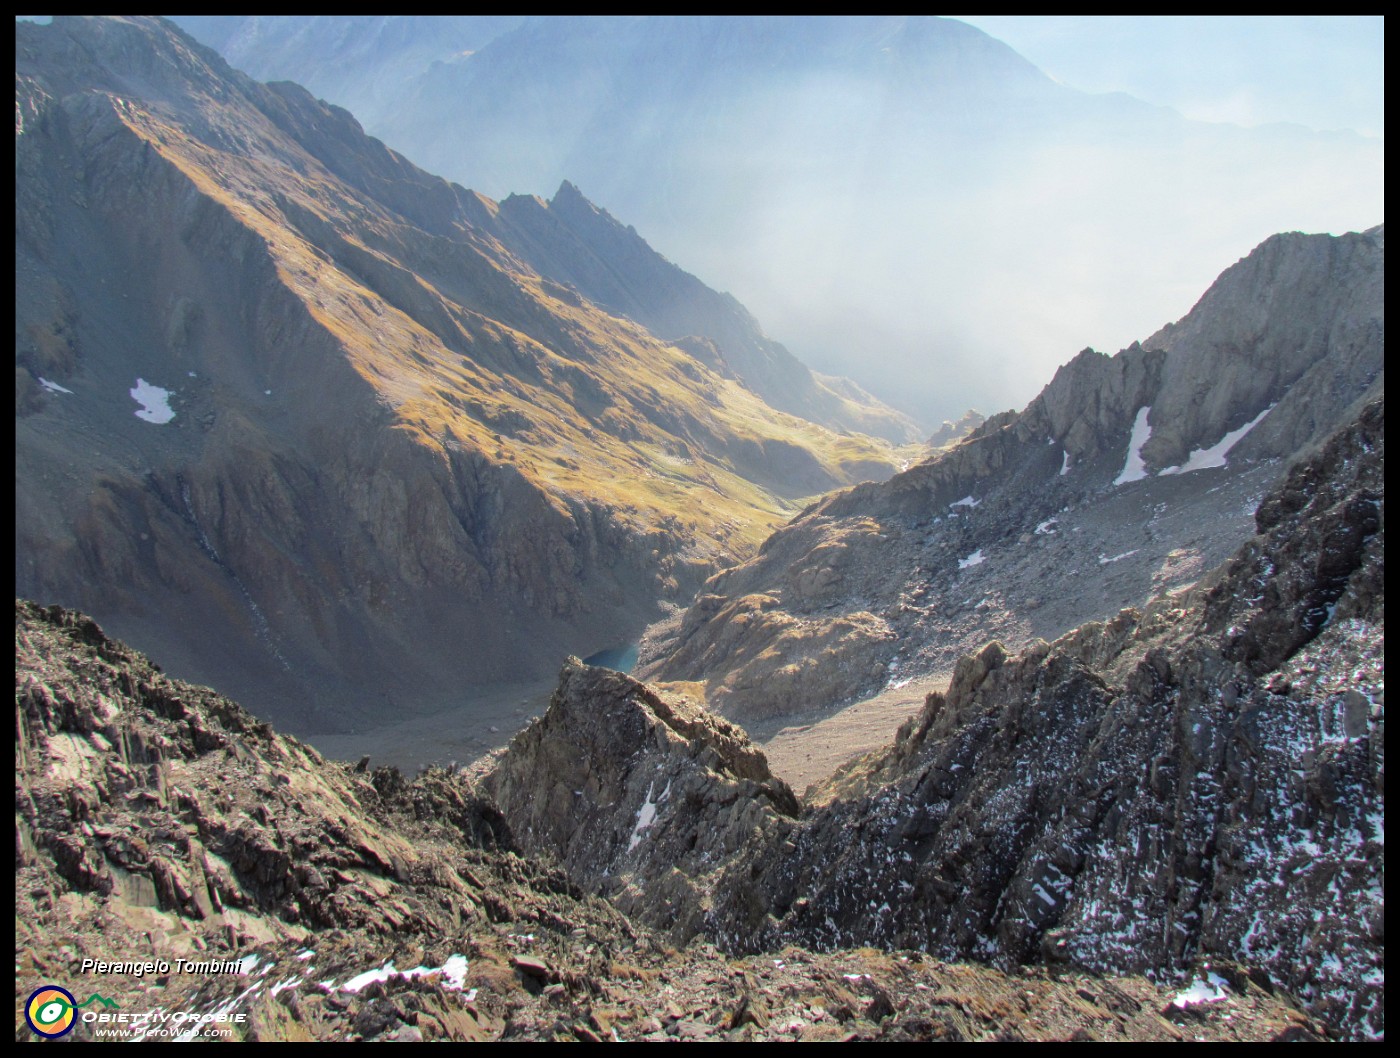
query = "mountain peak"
{"x": 567, "y": 192}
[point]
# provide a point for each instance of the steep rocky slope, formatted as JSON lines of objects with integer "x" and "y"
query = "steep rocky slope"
{"x": 1126, "y": 477}
{"x": 1200, "y": 779}
{"x": 610, "y": 758}
{"x": 155, "y": 820}
{"x": 322, "y": 429}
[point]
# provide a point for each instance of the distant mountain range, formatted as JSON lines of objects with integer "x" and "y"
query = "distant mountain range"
{"x": 902, "y": 199}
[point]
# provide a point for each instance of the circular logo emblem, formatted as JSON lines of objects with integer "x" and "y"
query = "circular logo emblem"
{"x": 50, "y": 1011}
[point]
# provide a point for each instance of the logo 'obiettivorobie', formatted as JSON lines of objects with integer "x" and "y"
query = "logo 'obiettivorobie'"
{"x": 51, "y": 1011}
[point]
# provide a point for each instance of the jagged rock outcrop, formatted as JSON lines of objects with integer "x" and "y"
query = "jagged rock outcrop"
{"x": 1126, "y": 477}
{"x": 950, "y": 432}
{"x": 155, "y": 820}
{"x": 617, "y": 774}
{"x": 1203, "y": 778}
{"x": 304, "y": 418}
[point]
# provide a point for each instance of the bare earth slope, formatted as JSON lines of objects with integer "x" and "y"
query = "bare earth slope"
{"x": 374, "y": 430}
{"x": 1202, "y": 779}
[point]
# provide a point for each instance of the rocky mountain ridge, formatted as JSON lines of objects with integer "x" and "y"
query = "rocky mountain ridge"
{"x": 294, "y": 412}
{"x": 156, "y": 820}
{"x": 1201, "y": 778}
{"x": 1127, "y": 477}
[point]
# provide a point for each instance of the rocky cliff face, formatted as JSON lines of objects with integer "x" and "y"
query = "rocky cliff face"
{"x": 156, "y": 820}
{"x": 1126, "y": 477}
{"x": 1203, "y": 778}
{"x": 294, "y": 412}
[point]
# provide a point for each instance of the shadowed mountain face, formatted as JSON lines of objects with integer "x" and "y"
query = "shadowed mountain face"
{"x": 903, "y": 199}
{"x": 344, "y": 437}
{"x": 1127, "y": 477}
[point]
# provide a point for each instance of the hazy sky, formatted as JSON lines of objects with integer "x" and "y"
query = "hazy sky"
{"x": 1325, "y": 72}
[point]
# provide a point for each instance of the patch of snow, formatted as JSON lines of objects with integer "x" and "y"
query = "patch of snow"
{"x": 282, "y": 986}
{"x": 1211, "y": 990}
{"x": 453, "y": 971}
{"x": 154, "y": 401}
{"x": 1104, "y": 561}
{"x": 1039, "y": 891}
{"x": 382, "y": 973}
{"x": 267, "y": 392}
{"x": 1134, "y": 469}
{"x": 1209, "y": 458}
{"x": 966, "y": 501}
{"x": 247, "y": 965}
{"x": 974, "y": 559}
{"x": 226, "y": 1008}
{"x": 52, "y": 387}
{"x": 1046, "y": 528}
{"x": 305, "y": 953}
{"x": 646, "y": 816}
{"x": 1064, "y": 467}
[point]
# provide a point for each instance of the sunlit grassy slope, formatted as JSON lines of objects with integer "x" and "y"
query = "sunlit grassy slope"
{"x": 471, "y": 349}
